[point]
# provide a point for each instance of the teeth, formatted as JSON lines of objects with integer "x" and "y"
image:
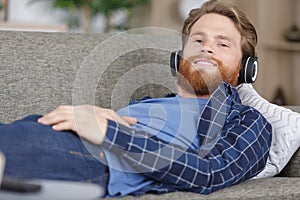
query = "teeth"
{"x": 204, "y": 63}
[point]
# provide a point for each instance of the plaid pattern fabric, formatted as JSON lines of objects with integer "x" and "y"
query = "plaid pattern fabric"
{"x": 234, "y": 145}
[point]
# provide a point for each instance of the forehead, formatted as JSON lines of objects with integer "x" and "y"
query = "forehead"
{"x": 213, "y": 23}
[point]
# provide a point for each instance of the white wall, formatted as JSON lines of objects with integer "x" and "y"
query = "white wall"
{"x": 21, "y": 11}
{"x": 41, "y": 14}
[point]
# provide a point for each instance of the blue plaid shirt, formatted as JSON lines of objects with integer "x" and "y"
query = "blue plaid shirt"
{"x": 235, "y": 142}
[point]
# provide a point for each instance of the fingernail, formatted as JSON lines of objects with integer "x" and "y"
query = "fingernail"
{"x": 40, "y": 120}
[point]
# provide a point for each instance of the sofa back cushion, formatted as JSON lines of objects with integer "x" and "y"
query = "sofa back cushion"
{"x": 40, "y": 71}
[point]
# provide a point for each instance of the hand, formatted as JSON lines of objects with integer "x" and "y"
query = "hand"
{"x": 84, "y": 120}
{"x": 89, "y": 122}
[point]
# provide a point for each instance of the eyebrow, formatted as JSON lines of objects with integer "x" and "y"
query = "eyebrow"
{"x": 222, "y": 37}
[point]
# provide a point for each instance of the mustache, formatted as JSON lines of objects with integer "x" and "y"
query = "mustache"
{"x": 202, "y": 55}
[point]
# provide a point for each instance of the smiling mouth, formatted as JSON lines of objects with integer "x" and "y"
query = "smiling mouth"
{"x": 203, "y": 63}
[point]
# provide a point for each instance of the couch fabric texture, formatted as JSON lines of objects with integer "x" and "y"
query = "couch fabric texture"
{"x": 40, "y": 71}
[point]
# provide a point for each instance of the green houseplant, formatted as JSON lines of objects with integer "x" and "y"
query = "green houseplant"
{"x": 90, "y": 8}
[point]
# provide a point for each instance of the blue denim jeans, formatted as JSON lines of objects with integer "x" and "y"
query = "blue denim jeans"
{"x": 36, "y": 151}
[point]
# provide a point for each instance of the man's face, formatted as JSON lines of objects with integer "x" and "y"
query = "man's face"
{"x": 212, "y": 53}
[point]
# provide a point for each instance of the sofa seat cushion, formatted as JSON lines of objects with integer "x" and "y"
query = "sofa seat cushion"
{"x": 265, "y": 189}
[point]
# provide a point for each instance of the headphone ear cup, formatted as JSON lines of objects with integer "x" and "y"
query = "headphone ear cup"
{"x": 174, "y": 62}
{"x": 249, "y": 70}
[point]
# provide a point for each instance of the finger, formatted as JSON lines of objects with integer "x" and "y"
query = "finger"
{"x": 125, "y": 121}
{"x": 53, "y": 118}
{"x": 60, "y": 114}
{"x": 112, "y": 115}
{"x": 106, "y": 113}
{"x": 66, "y": 125}
{"x": 130, "y": 120}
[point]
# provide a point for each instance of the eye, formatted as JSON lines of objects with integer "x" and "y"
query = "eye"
{"x": 223, "y": 45}
{"x": 198, "y": 41}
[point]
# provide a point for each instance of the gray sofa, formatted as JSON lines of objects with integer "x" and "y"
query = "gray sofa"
{"x": 40, "y": 71}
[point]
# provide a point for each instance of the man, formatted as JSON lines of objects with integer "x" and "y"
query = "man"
{"x": 202, "y": 140}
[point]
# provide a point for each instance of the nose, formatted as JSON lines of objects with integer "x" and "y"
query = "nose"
{"x": 207, "y": 49}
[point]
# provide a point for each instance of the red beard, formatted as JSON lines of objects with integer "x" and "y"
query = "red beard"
{"x": 204, "y": 82}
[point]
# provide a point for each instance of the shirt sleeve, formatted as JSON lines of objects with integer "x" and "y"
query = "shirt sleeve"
{"x": 240, "y": 153}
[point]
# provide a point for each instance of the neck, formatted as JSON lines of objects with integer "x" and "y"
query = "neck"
{"x": 185, "y": 94}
